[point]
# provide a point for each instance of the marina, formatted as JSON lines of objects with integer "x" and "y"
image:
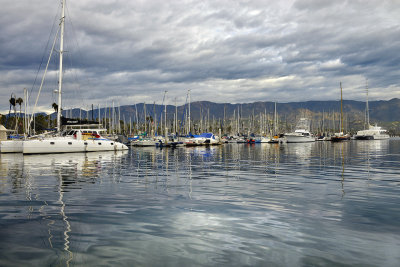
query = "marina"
{"x": 199, "y": 133}
{"x": 300, "y": 204}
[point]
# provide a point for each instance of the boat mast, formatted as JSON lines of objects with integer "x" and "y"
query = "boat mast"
{"x": 275, "y": 120}
{"x": 145, "y": 118}
{"x": 61, "y": 65}
{"x": 165, "y": 116}
{"x": 176, "y": 118}
{"x": 341, "y": 109}
{"x": 367, "y": 107}
{"x": 189, "y": 113}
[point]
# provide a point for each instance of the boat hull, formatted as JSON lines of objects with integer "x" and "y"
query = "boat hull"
{"x": 340, "y": 138}
{"x": 45, "y": 146}
{"x": 372, "y": 137}
{"x": 11, "y": 146}
{"x": 143, "y": 143}
{"x": 299, "y": 139}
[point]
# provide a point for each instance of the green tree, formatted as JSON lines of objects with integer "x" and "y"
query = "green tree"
{"x": 19, "y": 101}
{"x": 12, "y": 103}
{"x": 55, "y": 107}
{"x": 41, "y": 123}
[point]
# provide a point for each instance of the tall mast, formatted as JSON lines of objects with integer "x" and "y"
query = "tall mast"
{"x": 145, "y": 118}
{"x": 61, "y": 66}
{"x": 275, "y": 120}
{"x": 189, "y": 113}
{"x": 367, "y": 107}
{"x": 113, "y": 117}
{"x": 165, "y": 116}
{"x": 341, "y": 109}
{"x": 176, "y": 118}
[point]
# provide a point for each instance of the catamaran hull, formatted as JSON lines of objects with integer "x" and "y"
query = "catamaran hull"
{"x": 364, "y": 137}
{"x": 372, "y": 137}
{"x": 70, "y": 146}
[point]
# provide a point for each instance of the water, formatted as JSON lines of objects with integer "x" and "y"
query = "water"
{"x": 319, "y": 204}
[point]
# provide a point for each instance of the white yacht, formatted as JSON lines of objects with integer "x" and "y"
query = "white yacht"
{"x": 301, "y": 134}
{"x": 372, "y": 133}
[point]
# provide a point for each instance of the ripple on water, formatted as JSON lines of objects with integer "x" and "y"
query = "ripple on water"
{"x": 318, "y": 204}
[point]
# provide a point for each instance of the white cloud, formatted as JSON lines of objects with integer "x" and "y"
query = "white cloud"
{"x": 225, "y": 51}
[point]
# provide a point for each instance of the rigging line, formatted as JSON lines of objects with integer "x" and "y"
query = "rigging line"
{"x": 41, "y": 85}
{"x": 79, "y": 51}
{"x": 83, "y": 77}
{"x": 44, "y": 52}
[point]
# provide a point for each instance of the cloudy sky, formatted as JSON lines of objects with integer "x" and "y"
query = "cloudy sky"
{"x": 131, "y": 51}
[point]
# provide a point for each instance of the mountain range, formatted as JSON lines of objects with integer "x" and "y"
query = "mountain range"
{"x": 382, "y": 112}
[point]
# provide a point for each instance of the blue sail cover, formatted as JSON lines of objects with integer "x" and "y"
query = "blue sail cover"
{"x": 204, "y": 135}
{"x": 207, "y": 135}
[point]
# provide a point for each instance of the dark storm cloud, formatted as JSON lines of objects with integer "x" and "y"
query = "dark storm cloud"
{"x": 224, "y": 51}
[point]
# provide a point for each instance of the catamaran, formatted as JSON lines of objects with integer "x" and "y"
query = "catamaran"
{"x": 72, "y": 135}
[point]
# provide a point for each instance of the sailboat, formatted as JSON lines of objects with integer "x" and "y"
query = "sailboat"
{"x": 339, "y": 137}
{"x": 72, "y": 135}
{"x": 273, "y": 137}
{"x": 373, "y": 132}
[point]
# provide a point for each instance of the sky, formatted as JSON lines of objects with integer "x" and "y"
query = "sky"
{"x": 128, "y": 51}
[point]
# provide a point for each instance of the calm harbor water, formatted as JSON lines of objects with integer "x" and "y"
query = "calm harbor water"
{"x": 318, "y": 204}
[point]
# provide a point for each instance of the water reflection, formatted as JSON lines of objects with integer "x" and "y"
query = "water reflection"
{"x": 266, "y": 204}
{"x": 33, "y": 197}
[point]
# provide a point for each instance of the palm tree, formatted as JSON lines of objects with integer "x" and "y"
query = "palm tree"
{"x": 19, "y": 101}
{"x": 55, "y": 107}
{"x": 12, "y": 103}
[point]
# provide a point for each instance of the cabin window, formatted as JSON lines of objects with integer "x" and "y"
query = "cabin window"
{"x": 112, "y": 143}
{"x": 99, "y": 144}
{"x": 85, "y": 143}
{"x": 51, "y": 143}
{"x": 69, "y": 143}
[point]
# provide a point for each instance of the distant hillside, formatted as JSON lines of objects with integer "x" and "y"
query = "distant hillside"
{"x": 380, "y": 111}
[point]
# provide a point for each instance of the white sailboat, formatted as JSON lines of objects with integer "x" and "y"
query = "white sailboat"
{"x": 273, "y": 137}
{"x": 341, "y": 136}
{"x": 372, "y": 132}
{"x": 71, "y": 136}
